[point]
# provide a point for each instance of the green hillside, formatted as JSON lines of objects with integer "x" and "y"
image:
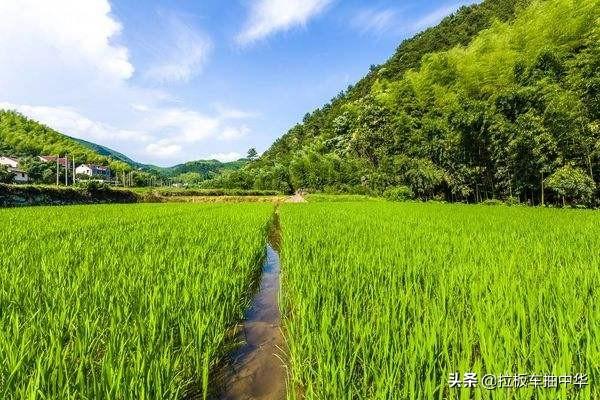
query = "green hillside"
{"x": 498, "y": 101}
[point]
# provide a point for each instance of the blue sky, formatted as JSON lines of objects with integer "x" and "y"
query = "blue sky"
{"x": 169, "y": 81}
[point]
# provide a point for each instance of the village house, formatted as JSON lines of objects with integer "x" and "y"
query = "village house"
{"x": 9, "y": 162}
{"x": 62, "y": 161}
{"x": 94, "y": 171}
{"x": 13, "y": 166}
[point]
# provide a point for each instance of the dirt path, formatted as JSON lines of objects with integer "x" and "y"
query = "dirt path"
{"x": 256, "y": 370}
{"x": 296, "y": 198}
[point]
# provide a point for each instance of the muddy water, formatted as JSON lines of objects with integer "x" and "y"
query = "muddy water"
{"x": 255, "y": 371}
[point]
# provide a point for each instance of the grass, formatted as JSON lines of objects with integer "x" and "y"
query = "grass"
{"x": 380, "y": 300}
{"x": 122, "y": 301}
{"x": 384, "y": 300}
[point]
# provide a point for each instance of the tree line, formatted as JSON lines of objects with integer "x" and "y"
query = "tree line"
{"x": 514, "y": 114}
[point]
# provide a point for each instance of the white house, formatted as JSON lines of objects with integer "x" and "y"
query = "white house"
{"x": 13, "y": 166}
{"x": 9, "y": 162}
{"x": 95, "y": 171}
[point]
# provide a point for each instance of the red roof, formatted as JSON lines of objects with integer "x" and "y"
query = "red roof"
{"x": 62, "y": 161}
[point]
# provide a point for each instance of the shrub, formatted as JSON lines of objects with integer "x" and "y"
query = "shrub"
{"x": 493, "y": 202}
{"x": 512, "y": 201}
{"x": 94, "y": 186}
{"x": 572, "y": 184}
{"x": 5, "y": 175}
{"x": 21, "y": 195}
{"x": 399, "y": 193}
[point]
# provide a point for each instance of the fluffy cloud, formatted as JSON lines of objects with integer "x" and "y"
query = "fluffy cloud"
{"x": 183, "y": 127}
{"x": 271, "y": 16}
{"x": 70, "y": 37}
{"x": 68, "y": 70}
{"x": 163, "y": 149}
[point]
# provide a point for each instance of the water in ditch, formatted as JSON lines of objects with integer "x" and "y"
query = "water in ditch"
{"x": 255, "y": 370}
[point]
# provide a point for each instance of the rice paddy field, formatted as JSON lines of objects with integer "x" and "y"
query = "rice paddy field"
{"x": 385, "y": 301}
{"x": 125, "y": 301}
{"x": 379, "y": 300}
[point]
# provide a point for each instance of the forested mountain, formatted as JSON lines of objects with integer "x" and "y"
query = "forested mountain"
{"x": 501, "y": 100}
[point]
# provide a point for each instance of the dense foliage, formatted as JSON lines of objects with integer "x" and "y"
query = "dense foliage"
{"x": 122, "y": 302}
{"x": 492, "y": 116}
{"x": 383, "y": 300}
{"x": 92, "y": 192}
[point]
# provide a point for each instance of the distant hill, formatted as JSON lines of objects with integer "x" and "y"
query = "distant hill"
{"x": 23, "y": 137}
{"x": 203, "y": 167}
{"x": 500, "y": 100}
{"x": 115, "y": 155}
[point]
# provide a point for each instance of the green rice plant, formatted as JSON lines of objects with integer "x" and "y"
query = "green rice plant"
{"x": 122, "y": 301}
{"x": 385, "y": 300}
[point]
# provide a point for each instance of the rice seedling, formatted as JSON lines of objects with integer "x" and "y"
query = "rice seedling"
{"x": 122, "y": 302}
{"x": 385, "y": 301}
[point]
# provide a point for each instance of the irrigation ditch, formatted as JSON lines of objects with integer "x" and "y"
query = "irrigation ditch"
{"x": 256, "y": 370}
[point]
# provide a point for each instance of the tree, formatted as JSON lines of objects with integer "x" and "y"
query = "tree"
{"x": 189, "y": 178}
{"x": 5, "y": 175}
{"x": 572, "y": 184}
{"x": 252, "y": 154}
{"x": 141, "y": 178}
{"x": 423, "y": 178}
{"x": 38, "y": 171}
{"x": 484, "y": 119}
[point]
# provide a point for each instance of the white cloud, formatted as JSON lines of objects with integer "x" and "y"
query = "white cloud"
{"x": 224, "y": 157}
{"x": 271, "y": 16}
{"x": 181, "y": 52}
{"x": 163, "y": 149}
{"x": 184, "y": 128}
{"x": 61, "y": 64}
{"x": 71, "y": 35}
{"x": 373, "y": 20}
